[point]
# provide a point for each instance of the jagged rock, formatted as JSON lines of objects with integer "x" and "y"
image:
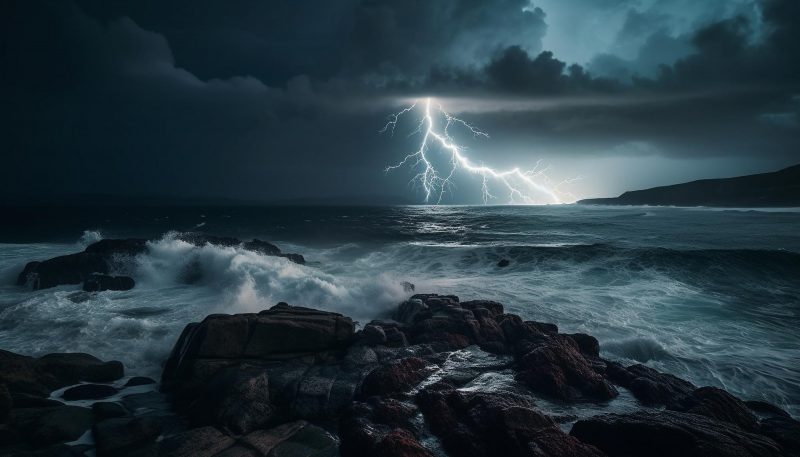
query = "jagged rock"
{"x": 557, "y": 367}
{"x": 670, "y": 433}
{"x": 120, "y": 436}
{"x": 262, "y": 247}
{"x": 40, "y": 376}
{"x": 485, "y": 423}
{"x": 380, "y": 427}
{"x": 89, "y": 392}
{"x": 139, "y": 381}
{"x": 99, "y": 283}
{"x": 395, "y": 377}
{"x": 586, "y": 343}
{"x": 110, "y": 247}
{"x": 650, "y": 386}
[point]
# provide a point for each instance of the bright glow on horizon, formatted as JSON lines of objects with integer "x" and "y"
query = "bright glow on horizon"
{"x": 531, "y": 187}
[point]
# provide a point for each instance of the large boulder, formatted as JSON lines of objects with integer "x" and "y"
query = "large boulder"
{"x": 396, "y": 377}
{"x": 650, "y": 386}
{"x": 671, "y": 434}
{"x": 280, "y": 333}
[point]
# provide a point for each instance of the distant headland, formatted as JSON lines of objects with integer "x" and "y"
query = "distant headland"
{"x": 776, "y": 189}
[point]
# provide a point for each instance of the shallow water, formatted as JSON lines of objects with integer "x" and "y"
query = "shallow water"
{"x": 710, "y": 295}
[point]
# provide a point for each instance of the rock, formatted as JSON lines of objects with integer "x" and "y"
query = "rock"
{"x": 29, "y": 375}
{"x": 669, "y": 433}
{"x": 110, "y": 247}
{"x": 482, "y": 423}
{"x": 23, "y": 400}
{"x": 395, "y": 377}
{"x": 309, "y": 441}
{"x": 718, "y": 404}
{"x": 5, "y": 403}
{"x": 588, "y": 344}
{"x": 374, "y": 335}
{"x": 280, "y": 333}
{"x": 99, "y": 283}
{"x": 89, "y": 392}
{"x": 264, "y": 441}
{"x": 650, "y": 386}
{"x": 262, "y": 247}
{"x": 139, "y": 381}
{"x": 400, "y": 443}
{"x": 236, "y": 400}
{"x": 503, "y": 263}
{"x": 67, "y": 269}
{"x": 409, "y": 309}
{"x": 493, "y": 308}
{"x": 556, "y": 367}
{"x": 767, "y": 409}
{"x": 784, "y": 430}
{"x": 198, "y": 442}
{"x": 46, "y": 426}
{"x": 296, "y": 258}
{"x": 108, "y": 410}
{"x": 407, "y": 286}
{"x": 120, "y": 436}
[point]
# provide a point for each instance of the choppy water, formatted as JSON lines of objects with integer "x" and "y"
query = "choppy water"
{"x": 710, "y": 295}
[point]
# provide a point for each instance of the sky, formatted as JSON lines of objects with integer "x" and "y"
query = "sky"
{"x": 276, "y": 100}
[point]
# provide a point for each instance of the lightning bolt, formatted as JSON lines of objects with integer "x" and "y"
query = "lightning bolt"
{"x": 522, "y": 186}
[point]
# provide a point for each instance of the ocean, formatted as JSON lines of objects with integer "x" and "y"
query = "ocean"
{"x": 709, "y": 295}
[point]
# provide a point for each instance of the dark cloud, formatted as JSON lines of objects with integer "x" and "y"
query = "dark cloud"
{"x": 254, "y": 99}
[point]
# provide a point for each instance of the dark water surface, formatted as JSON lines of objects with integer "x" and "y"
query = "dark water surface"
{"x": 709, "y": 295}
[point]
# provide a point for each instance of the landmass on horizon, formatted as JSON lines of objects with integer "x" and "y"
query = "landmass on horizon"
{"x": 777, "y": 189}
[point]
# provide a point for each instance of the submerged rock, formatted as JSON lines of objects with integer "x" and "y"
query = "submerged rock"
{"x": 40, "y": 376}
{"x": 89, "y": 392}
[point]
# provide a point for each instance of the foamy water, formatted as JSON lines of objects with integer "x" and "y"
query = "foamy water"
{"x": 712, "y": 296}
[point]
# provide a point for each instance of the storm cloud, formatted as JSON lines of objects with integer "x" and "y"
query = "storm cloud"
{"x": 270, "y": 100}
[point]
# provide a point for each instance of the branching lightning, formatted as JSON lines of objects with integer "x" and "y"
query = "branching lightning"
{"x": 522, "y": 186}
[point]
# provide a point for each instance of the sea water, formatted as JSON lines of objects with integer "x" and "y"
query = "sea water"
{"x": 709, "y": 295}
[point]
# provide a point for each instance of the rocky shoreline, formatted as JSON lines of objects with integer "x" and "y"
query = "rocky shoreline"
{"x": 442, "y": 377}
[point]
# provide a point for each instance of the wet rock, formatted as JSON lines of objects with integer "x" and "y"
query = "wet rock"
{"x": 40, "y": 376}
{"x": 483, "y": 423}
{"x": 198, "y": 442}
{"x": 309, "y": 441}
{"x": 718, "y": 404}
{"x": 108, "y": 410}
{"x": 262, "y": 247}
{"x": 89, "y": 392}
{"x": 46, "y": 426}
{"x": 99, "y": 283}
{"x": 122, "y": 436}
{"x": 503, "y": 263}
{"x": 280, "y": 333}
{"x": 67, "y": 269}
{"x": 409, "y": 309}
{"x": 139, "y": 381}
{"x": 556, "y": 367}
{"x": 395, "y": 377}
{"x": 264, "y": 441}
{"x": 650, "y": 386}
{"x": 296, "y": 258}
{"x": 588, "y": 344}
{"x": 669, "y": 433}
